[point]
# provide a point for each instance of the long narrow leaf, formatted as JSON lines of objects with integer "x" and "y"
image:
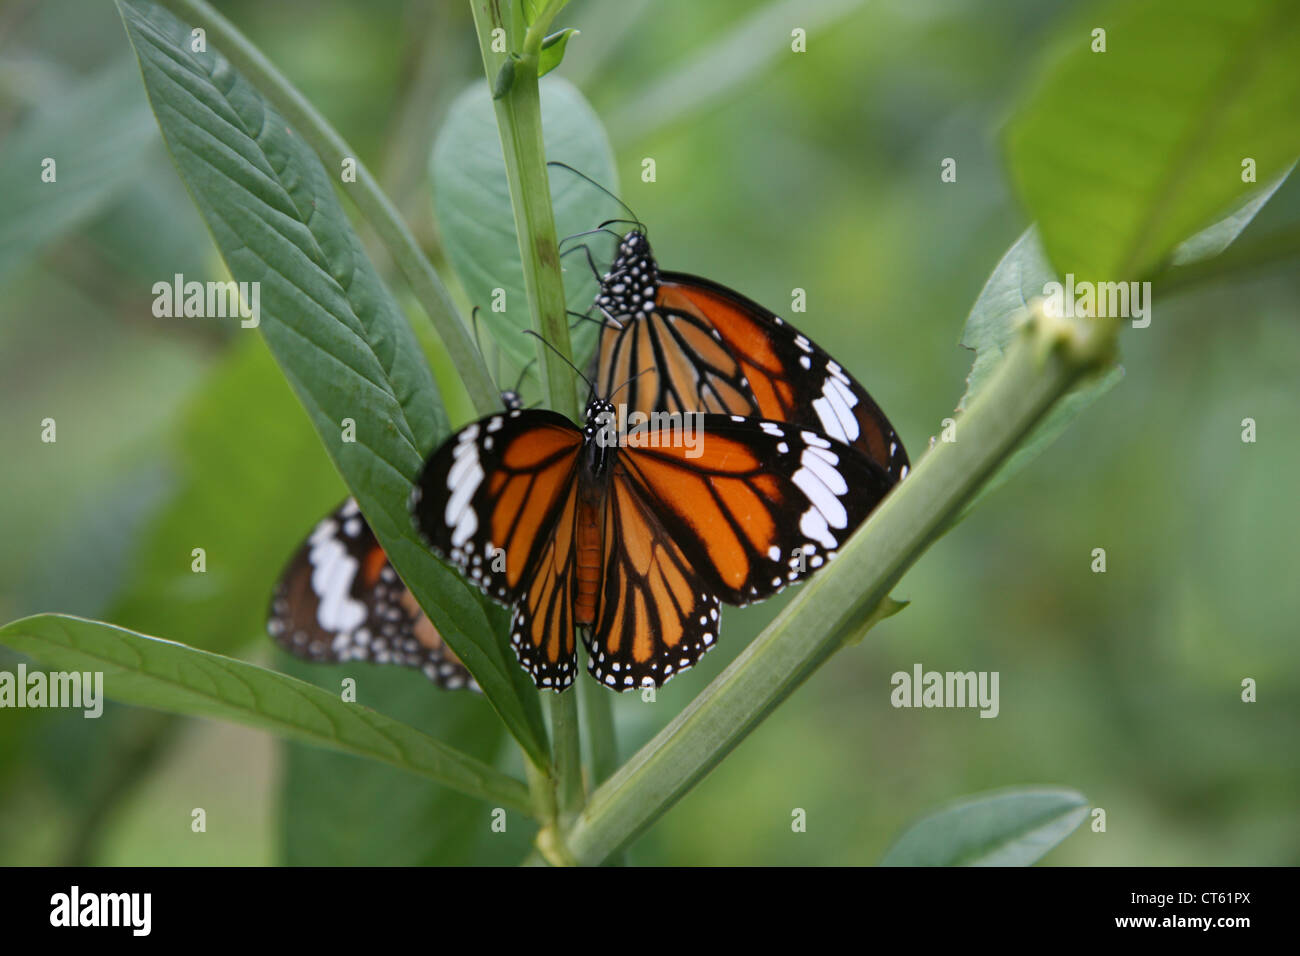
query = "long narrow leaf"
{"x": 150, "y": 672}
{"x": 1014, "y": 827}
{"x": 332, "y": 325}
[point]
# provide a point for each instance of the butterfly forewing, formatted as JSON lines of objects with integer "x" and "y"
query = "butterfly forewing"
{"x": 340, "y": 600}
{"x": 498, "y": 500}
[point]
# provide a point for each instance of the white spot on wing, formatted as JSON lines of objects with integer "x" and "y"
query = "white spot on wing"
{"x": 821, "y": 481}
{"x": 812, "y": 525}
{"x": 463, "y": 479}
{"x": 332, "y": 572}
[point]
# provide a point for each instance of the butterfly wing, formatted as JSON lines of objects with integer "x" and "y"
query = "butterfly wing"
{"x": 340, "y": 600}
{"x": 755, "y": 505}
{"x": 655, "y": 616}
{"x": 498, "y": 500}
{"x": 714, "y": 350}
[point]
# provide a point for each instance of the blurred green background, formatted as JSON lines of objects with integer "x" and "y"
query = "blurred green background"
{"x": 775, "y": 170}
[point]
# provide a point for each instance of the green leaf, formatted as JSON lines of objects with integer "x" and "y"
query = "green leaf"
{"x": 1013, "y": 827}
{"x": 1001, "y": 306}
{"x": 150, "y": 672}
{"x": 472, "y": 201}
{"x": 1121, "y": 155}
{"x": 505, "y": 78}
{"x": 1212, "y": 240}
{"x": 887, "y": 607}
{"x": 98, "y": 133}
{"x": 330, "y": 322}
{"x": 553, "y": 48}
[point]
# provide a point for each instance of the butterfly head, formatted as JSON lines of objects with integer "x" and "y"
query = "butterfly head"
{"x": 632, "y": 282}
{"x": 512, "y": 400}
{"x": 600, "y": 434}
{"x": 600, "y": 413}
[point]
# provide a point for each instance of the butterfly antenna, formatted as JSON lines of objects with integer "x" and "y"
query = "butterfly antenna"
{"x": 590, "y": 261}
{"x": 523, "y": 374}
{"x": 556, "y": 162}
{"x": 578, "y": 371}
{"x": 592, "y": 232}
{"x": 605, "y": 323}
{"x": 610, "y": 222}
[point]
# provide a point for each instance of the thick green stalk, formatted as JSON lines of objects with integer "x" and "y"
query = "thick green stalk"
{"x": 369, "y": 197}
{"x": 1045, "y": 363}
{"x": 519, "y": 120}
{"x": 596, "y": 704}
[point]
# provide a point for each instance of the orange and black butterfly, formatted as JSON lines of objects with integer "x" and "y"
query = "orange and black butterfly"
{"x": 636, "y": 536}
{"x": 340, "y": 600}
{"x": 712, "y": 349}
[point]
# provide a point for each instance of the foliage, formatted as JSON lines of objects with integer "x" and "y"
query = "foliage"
{"x": 1123, "y": 203}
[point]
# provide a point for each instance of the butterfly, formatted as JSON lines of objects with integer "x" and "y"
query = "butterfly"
{"x": 636, "y": 535}
{"x": 709, "y": 348}
{"x": 339, "y": 599}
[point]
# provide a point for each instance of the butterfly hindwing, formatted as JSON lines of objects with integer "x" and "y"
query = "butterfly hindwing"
{"x": 340, "y": 600}
{"x": 655, "y": 615}
{"x": 542, "y": 627}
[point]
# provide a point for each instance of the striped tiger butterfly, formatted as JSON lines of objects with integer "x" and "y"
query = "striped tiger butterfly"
{"x": 636, "y": 535}
{"x": 339, "y": 600}
{"x": 712, "y": 349}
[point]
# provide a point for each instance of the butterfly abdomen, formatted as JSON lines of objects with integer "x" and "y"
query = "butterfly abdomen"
{"x": 587, "y": 575}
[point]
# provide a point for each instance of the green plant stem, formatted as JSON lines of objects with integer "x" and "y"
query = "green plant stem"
{"x": 570, "y": 793}
{"x": 1048, "y": 359}
{"x": 541, "y": 791}
{"x": 519, "y": 120}
{"x": 369, "y": 197}
{"x": 596, "y": 704}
